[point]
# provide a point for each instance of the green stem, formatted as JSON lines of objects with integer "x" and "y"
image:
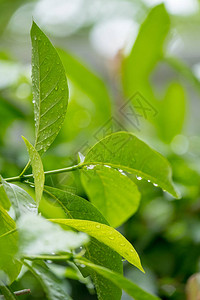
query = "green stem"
{"x": 26, "y": 167}
{"x": 49, "y": 257}
{"x": 58, "y": 171}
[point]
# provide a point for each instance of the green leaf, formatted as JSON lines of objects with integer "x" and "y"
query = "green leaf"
{"x": 89, "y": 83}
{"x": 107, "y": 235}
{"x": 112, "y": 192}
{"x": 146, "y": 52}
{"x": 8, "y": 295}
{"x": 76, "y": 207}
{"x": 172, "y": 112}
{"x": 21, "y": 201}
{"x": 129, "y": 287}
{"x": 9, "y": 267}
{"x": 37, "y": 236}
{"x": 4, "y": 201}
{"x": 38, "y": 171}
{"x": 125, "y": 151}
{"x": 50, "y": 90}
{"x": 53, "y": 286}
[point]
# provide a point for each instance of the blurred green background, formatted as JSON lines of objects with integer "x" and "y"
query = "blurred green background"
{"x": 130, "y": 67}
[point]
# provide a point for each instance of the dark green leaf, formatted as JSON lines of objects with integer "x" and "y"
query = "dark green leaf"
{"x": 112, "y": 192}
{"x": 8, "y": 295}
{"x": 129, "y": 287}
{"x": 53, "y": 286}
{"x": 125, "y": 151}
{"x": 50, "y": 90}
{"x": 76, "y": 207}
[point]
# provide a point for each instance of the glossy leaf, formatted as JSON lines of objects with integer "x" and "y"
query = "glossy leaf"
{"x": 107, "y": 235}
{"x": 37, "y": 236}
{"x": 38, "y": 171}
{"x": 53, "y": 286}
{"x": 125, "y": 151}
{"x": 21, "y": 201}
{"x": 50, "y": 90}
{"x": 172, "y": 112}
{"x": 9, "y": 267}
{"x": 76, "y": 207}
{"x": 129, "y": 287}
{"x": 112, "y": 192}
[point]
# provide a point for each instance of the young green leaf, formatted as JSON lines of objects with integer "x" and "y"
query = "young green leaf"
{"x": 8, "y": 295}
{"x": 89, "y": 83}
{"x": 125, "y": 151}
{"x": 37, "y": 236}
{"x": 21, "y": 201}
{"x": 146, "y": 52}
{"x": 52, "y": 285}
{"x": 112, "y": 192}
{"x": 9, "y": 267}
{"x": 38, "y": 171}
{"x": 50, "y": 89}
{"x": 129, "y": 287}
{"x": 172, "y": 112}
{"x": 76, "y": 207}
{"x": 107, "y": 235}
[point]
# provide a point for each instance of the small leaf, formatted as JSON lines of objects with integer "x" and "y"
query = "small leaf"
{"x": 76, "y": 207}
{"x": 37, "y": 236}
{"x": 52, "y": 285}
{"x": 9, "y": 267}
{"x": 112, "y": 192}
{"x": 50, "y": 90}
{"x": 125, "y": 151}
{"x": 38, "y": 171}
{"x": 21, "y": 201}
{"x": 129, "y": 287}
{"x": 107, "y": 235}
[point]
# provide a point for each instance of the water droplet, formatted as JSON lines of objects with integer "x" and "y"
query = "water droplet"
{"x": 35, "y": 38}
{"x": 56, "y": 88}
{"x": 111, "y": 237}
{"x": 132, "y": 250}
{"x": 139, "y": 178}
{"x": 155, "y": 184}
{"x": 122, "y": 245}
{"x": 149, "y": 180}
{"x": 98, "y": 226}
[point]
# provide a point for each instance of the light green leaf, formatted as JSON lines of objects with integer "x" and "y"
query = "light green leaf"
{"x": 129, "y": 287}
{"x": 21, "y": 201}
{"x": 9, "y": 267}
{"x": 50, "y": 89}
{"x": 112, "y": 192}
{"x": 172, "y": 112}
{"x": 8, "y": 295}
{"x": 125, "y": 151}
{"x": 38, "y": 171}
{"x": 89, "y": 83}
{"x": 146, "y": 52}
{"x": 53, "y": 286}
{"x": 107, "y": 235}
{"x": 37, "y": 236}
{"x": 76, "y": 207}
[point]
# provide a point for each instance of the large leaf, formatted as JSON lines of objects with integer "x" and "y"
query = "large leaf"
{"x": 125, "y": 151}
{"x": 76, "y": 207}
{"x": 50, "y": 90}
{"x": 53, "y": 286}
{"x": 172, "y": 112}
{"x": 131, "y": 288}
{"x": 89, "y": 83}
{"x": 37, "y": 236}
{"x": 107, "y": 235}
{"x": 112, "y": 192}
{"x": 38, "y": 171}
{"x": 21, "y": 201}
{"x": 9, "y": 267}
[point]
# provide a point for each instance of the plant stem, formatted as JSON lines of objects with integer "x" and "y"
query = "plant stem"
{"x": 22, "y": 292}
{"x": 58, "y": 171}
